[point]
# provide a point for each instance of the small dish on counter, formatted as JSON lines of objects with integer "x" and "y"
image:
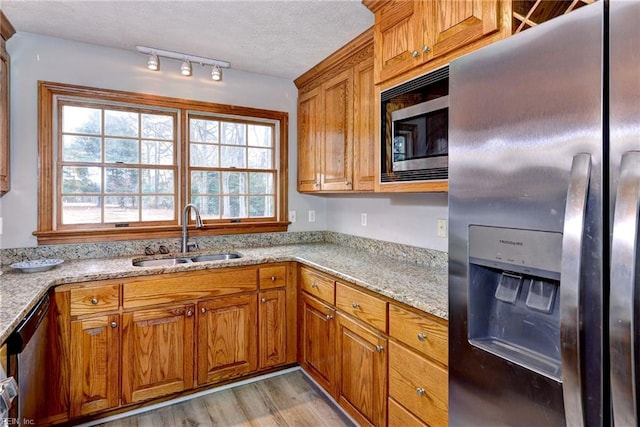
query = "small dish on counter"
{"x": 37, "y": 265}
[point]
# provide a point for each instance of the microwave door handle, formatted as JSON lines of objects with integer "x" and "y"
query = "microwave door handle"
{"x": 570, "y": 287}
{"x": 623, "y": 279}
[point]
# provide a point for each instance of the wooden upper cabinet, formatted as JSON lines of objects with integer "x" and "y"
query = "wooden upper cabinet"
{"x": 337, "y": 148}
{"x": 157, "y": 352}
{"x": 6, "y": 31}
{"x": 336, "y": 121}
{"x": 408, "y": 34}
{"x": 309, "y": 135}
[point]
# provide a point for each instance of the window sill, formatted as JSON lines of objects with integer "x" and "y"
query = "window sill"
{"x": 57, "y": 237}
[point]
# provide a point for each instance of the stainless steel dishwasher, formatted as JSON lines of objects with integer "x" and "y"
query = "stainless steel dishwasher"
{"x": 27, "y": 347}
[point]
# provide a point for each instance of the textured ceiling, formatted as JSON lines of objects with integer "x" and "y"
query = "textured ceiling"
{"x": 276, "y": 38}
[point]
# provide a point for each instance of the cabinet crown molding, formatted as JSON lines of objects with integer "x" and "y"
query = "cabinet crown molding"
{"x": 6, "y": 29}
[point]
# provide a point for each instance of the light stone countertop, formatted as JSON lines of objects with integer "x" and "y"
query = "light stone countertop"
{"x": 419, "y": 286}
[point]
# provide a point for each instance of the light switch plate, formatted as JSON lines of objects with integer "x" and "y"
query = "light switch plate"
{"x": 363, "y": 219}
{"x": 312, "y": 216}
{"x": 292, "y": 216}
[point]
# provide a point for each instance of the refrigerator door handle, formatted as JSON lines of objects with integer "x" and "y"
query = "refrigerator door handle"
{"x": 570, "y": 287}
{"x": 623, "y": 278}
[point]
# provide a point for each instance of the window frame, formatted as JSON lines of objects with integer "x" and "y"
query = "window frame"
{"x": 49, "y": 232}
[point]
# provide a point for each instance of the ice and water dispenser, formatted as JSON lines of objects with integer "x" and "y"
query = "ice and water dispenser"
{"x": 514, "y": 296}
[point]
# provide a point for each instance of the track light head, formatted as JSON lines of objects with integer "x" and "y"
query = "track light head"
{"x": 216, "y": 73}
{"x": 186, "y": 68}
{"x": 153, "y": 63}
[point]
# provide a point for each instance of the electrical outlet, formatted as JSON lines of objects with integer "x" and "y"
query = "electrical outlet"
{"x": 363, "y": 219}
{"x": 292, "y": 216}
{"x": 312, "y": 216}
{"x": 442, "y": 227}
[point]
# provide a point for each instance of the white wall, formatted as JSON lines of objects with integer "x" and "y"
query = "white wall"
{"x": 35, "y": 57}
{"x": 410, "y": 219}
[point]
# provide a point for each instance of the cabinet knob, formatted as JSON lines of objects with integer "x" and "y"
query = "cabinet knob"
{"x": 316, "y": 185}
{"x": 114, "y": 324}
{"x": 347, "y": 183}
{"x": 415, "y": 53}
{"x": 420, "y": 391}
{"x": 379, "y": 348}
{"x": 189, "y": 313}
{"x": 314, "y": 285}
{"x": 425, "y": 48}
{"x": 329, "y": 316}
{"x": 421, "y": 336}
{"x": 355, "y": 305}
{"x": 94, "y": 300}
{"x": 203, "y": 310}
{"x": 263, "y": 300}
{"x": 273, "y": 278}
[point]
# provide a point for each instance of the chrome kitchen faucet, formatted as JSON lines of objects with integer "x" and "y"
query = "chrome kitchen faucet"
{"x": 184, "y": 246}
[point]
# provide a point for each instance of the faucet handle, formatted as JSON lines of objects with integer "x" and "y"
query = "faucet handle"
{"x": 149, "y": 251}
{"x": 163, "y": 250}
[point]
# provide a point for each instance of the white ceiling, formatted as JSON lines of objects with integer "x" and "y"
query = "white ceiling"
{"x": 276, "y": 38}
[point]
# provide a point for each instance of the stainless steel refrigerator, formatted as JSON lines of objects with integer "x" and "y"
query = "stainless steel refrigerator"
{"x": 544, "y": 188}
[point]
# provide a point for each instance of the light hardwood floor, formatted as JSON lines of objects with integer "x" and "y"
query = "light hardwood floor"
{"x": 285, "y": 400}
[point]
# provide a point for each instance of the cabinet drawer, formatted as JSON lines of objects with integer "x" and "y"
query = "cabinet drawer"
{"x": 317, "y": 284}
{"x": 421, "y": 385}
{"x": 188, "y": 285}
{"x": 94, "y": 299}
{"x": 419, "y": 332}
{"x": 272, "y": 276}
{"x": 399, "y": 416}
{"x": 363, "y": 306}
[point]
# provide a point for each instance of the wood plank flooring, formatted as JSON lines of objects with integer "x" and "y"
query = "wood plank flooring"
{"x": 285, "y": 400}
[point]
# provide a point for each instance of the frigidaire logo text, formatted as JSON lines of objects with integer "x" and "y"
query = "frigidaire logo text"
{"x": 511, "y": 242}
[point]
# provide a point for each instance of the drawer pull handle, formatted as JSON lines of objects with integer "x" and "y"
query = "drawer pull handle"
{"x": 420, "y": 391}
{"x": 263, "y": 300}
{"x": 114, "y": 324}
{"x": 273, "y": 278}
{"x": 421, "y": 336}
{"x": 314, "y": 285}
{"x": 355, "y": 305}
{"x": 379, "y": 348}
{"x": 94, "y": 300}
{"x": 203, "y": 310}
{"x": 329, "y": 316}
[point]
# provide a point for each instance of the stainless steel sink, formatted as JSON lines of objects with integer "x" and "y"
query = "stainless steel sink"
{"x": 165, "y": 262}
{"x": 216, "y": 257}
{"x": 168, "y": 262}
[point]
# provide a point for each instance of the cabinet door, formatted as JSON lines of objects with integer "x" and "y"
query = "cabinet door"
{"x": 455, "y": 23}
{"x": 94, "y": 349}
{"x": 362, "y": 354}
{"x": 364, "y": 126}
{"x": 157, "y": 352}
{"x": 227, "y": 338}
{"x": 272, "y": 317}
{"x": 317, "y": 348}
{"x": 397, "y": 34}
{"x": 309, "y": 138}
{"x": 337, "y": 147}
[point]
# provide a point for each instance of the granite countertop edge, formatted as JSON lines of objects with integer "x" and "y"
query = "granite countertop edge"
{"x": 419, "y": 286}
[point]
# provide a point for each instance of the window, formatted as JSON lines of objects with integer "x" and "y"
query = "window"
{"x": 119, "y": 165}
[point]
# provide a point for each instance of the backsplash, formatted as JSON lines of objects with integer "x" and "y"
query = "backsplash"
{"x": 428, "y": 257}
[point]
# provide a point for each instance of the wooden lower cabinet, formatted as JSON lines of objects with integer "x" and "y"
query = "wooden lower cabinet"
{"x": 157, "y": 352}
{"x": 95, "y": 358}
{"x": 272, "y": 312}
{"x": 227, "y": 337}
{"x": 362, "y": 363}
{"x": 317, "y": 342}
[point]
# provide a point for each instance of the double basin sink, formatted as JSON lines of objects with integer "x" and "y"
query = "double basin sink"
{"x": 168, "y": 262}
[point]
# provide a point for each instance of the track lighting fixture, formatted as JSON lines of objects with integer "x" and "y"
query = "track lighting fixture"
{"x": 186, "y": 68}
{"x": 216, "y": 73}
{"x": 153, "y": 63}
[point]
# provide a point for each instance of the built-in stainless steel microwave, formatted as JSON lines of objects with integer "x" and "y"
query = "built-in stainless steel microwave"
{"x": 415, "y": 122}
